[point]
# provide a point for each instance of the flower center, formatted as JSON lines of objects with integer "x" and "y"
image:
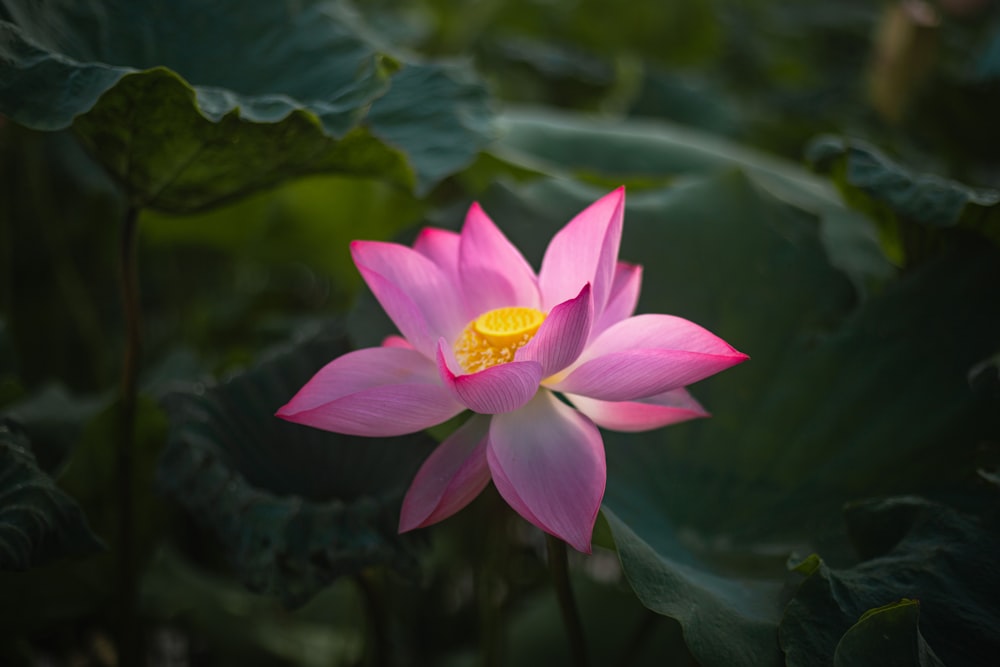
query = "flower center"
{"x": 494, "y": 337}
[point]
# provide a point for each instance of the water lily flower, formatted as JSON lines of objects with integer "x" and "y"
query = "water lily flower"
{"x": 542, "y": 360}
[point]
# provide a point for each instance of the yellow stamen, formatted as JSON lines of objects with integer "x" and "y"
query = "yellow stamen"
{"x": 495, "y": 336}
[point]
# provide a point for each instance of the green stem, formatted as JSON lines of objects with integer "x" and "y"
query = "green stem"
{"x": 493, "y": 553}
{"x": 376, "y": 646}
{"x": 129, "y": 631}
{"x": 559, "y": 568}
{"x": 640, "y": 638}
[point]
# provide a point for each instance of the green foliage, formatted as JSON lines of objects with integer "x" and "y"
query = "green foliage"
{"x": 294, "y": 507}
{"x": 308, "y": 221}
{"x": 669, "y": 581}
{"x": 940, "y": 558}
{"x": 245, "y": 628}
{"x": 260, "y": 138}
{"x": 38, "y": 521}
{"x": 787, "y": 445}
{"x": 184, "y": 130}
{"x": 912, "y": 209}
{"x": 645, "y": 154}
{"x": 886, "y": 635}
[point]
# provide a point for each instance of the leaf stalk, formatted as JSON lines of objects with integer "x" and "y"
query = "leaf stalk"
{"x": 559, "y": 569}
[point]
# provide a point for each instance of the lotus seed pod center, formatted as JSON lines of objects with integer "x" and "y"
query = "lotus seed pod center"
{"x": 495, "y": 336}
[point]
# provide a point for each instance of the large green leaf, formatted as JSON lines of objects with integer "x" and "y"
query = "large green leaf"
{"x": 294, "y": 507}
{"x": 726, "y": 620}
{"x": 898, "y": 196}
{"x": 38, "y": 521}
{"x": 645, "y": 153}
{"x": 886, "y": 636}
{"x": 923, "y": 550}
{"x": 189, "y": 105}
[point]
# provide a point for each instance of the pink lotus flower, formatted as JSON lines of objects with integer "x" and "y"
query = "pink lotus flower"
{"x": 483, "y": 332}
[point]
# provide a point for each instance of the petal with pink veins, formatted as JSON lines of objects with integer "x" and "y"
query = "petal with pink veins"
{"x": 562, "y": 336}
{"x": 413, "y": 291}
{"x": 493, "y": 272}
{"x": 671, "y": 407}
{"x": 584, "y": 251}
{"x": 646, "y": 355}
{"x": 451, "y": 477}
{"x": 623, "y": 297}
{"x": 547, "y": 461}
{"x": 376, "y": 392}
{"x": 500, "y": 388}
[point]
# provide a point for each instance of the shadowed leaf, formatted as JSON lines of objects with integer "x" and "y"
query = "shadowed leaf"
{"x": 896, "y": 195}
{"x": 943, "y": 558}
{"x": 294, "y": 507}
{"x": 886, "y": 636}
{"x": 164, "y": 97}
{"x": 38, "y": 520}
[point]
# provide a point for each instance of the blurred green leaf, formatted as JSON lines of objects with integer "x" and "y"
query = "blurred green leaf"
{"x": 886, "y": 636}
{"x": 240, "y": 628}
{"x": 294, "y": 507}
{"x": 943, "y": 557}
{"x": 54, "y": 597}
{"x": 38, "y": 521}
{"x": 309, "y": 221}
{"x": 54, "y": 419}
{"x": 670, "y": 32}
{"x": 164, "y": 98}
{"x": 90, "y": 473}
{"x": 648, "y": 154}
{"x": 898, "y": 196}
{"x": 566, "y": 143}
{"x": 690, "y": 99}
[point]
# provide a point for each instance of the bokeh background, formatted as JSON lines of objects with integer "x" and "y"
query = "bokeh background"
{"x": 815, "y": 181}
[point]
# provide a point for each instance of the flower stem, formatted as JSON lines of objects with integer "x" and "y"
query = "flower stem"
{"x": 559, "y": 568}
{"x": 129, "y": 633}
{"x": 494, "y": 552}
{"x": 377, "y": 644}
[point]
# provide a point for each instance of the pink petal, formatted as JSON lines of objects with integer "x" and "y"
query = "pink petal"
{"x": 584, "y": 251}
{"x": 623, "y": 297}
{"x": 451, "y": 477}
{"x": 547, "y": 461}
{"x": 493, "y": 272}
{"x": 647, "y": 355}
{"x": 397, "y": 341}
{"x": 645, "y": 414}
{"x": 562, "y": 336}
{"x": 500, "y": 388}
{"x": 377, "y": 391}
{"x": 414, "y": 292}
{"x": 441, "y": 247}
